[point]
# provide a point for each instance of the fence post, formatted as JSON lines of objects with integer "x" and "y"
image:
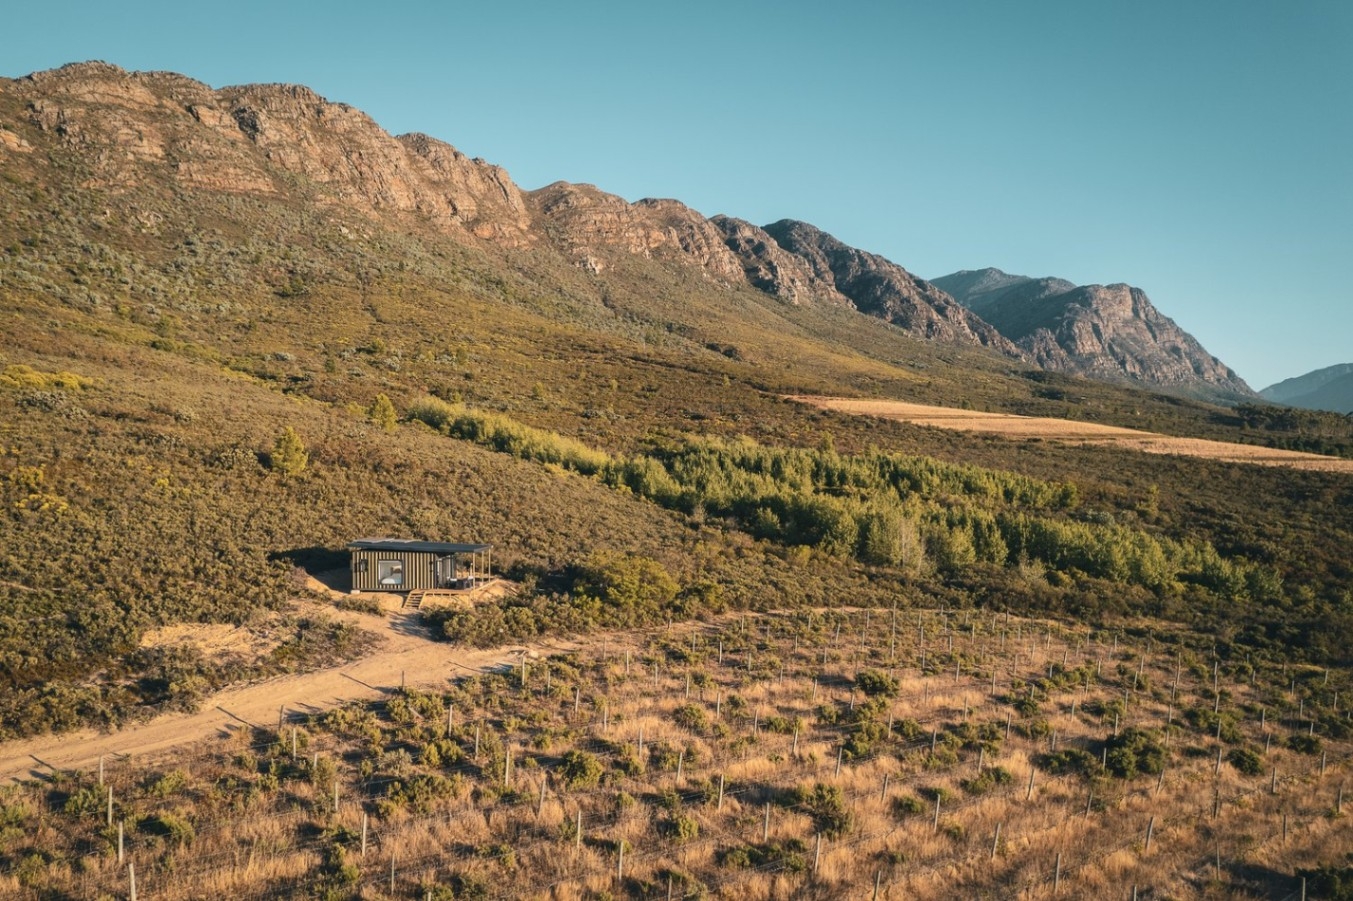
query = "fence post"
{"x": 996, "y": 842}
{"x": 1150, "y": 831}
{"x": 119, "y": 840}
{"x": 131, "y": 879}
{"x": 364, "y": 833}
{"x": 817, "y": 852}
{"x": 765, "y": 827}
{"x": 110, "y": 807}
{"x": 719, "y": 806}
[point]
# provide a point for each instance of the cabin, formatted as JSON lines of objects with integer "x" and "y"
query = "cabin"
{"x": 402, "y": 564}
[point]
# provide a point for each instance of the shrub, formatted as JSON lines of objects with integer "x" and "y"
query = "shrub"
{"x": 580, "y": 770}
{"x": 691, "y": 717}
{"x": 289, "y": 456}
{"x": 382, "y": 413}
{"x": 1135, "y": 751}
{"x": 875, "y": 683}
{"x": 1246, "y": 761}
{"x": 827, "y": 807}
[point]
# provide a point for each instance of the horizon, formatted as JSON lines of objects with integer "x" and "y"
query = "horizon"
{"x": 1003, "y": 129}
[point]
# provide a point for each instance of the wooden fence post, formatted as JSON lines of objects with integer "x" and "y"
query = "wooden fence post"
{"x": 996, "y": 842}
{"x": 131, "y": 880}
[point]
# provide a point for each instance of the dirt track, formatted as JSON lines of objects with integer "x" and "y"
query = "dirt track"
{"x": 405, "y": 652}
{"x": 1008, "y": 425}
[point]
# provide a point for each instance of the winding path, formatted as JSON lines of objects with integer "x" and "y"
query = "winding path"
{"x": 406, "y": 653}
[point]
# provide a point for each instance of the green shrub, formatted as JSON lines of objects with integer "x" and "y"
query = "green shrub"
{"x": 580, "y": 769}
{"x": 826, "y": 805}
{"x": 289, "y": 456}
{"x": 876, "y": 684}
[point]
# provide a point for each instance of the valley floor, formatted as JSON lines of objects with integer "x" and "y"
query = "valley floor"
{"x": 1009, "y": 425}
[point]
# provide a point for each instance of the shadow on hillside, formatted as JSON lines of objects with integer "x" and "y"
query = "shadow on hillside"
{"x": 325, "y": 566}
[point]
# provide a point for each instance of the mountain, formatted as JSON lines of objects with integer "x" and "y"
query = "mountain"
{"x": 1330, "y": 388}
{"x": 1106, "y": 332}
{"x": 881, "y": 288}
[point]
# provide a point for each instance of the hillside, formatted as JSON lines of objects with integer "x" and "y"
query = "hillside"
{"x": 1328, "y": 389}
{"x": 1112, "y": 333}
{"x": 189, "y": 273}
{"x": 244, "y": 326}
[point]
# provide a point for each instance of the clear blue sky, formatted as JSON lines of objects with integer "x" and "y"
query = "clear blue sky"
{"x": 1200, "y": 150}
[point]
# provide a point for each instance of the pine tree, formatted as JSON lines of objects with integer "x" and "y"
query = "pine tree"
{"x": 382, "y": 413}
{"x": 289, "y": 456}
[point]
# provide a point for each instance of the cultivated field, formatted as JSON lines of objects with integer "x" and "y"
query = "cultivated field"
{"x": 1008, "y": 425}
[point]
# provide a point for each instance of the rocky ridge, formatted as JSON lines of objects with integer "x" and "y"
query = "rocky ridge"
{"x": 127, "y": 131}
{"x": 1105, "y": 332}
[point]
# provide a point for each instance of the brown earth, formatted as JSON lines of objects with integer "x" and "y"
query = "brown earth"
{"x": 1008, "y": 425}
{"x": 405, "y": 654}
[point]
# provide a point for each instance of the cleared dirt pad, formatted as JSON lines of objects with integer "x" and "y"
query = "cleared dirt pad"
{"x": 1008, "y": 425}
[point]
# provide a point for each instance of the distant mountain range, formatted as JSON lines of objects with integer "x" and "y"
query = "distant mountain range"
{"x": 1105, "y": 332}
{"x": 1324, "y": 389}
{"x": 140, "y": 138}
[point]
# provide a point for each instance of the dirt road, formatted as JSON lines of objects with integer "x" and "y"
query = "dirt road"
{"x": 1008, "y": 425}
{"x": 406, "y": 652}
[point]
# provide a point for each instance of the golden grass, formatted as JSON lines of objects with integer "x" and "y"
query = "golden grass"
{"x": 1009, "y": 425}
{"x": 276, "y": 842}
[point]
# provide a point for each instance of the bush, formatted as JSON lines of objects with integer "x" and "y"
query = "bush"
{"x": 875, "y": 683}
{"x": 827, "y": 807}
{"x": 289, "y": 456}
{"x": 382, "y": 413}
{"x": 1133, "y": 752}
{"x": 1246, "y": 761}
{"x": 581, "y": 770}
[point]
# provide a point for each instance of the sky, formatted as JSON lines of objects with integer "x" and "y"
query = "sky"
{"x": 1202, "y": 151}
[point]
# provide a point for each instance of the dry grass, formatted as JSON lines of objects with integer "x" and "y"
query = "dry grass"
{"x": 1008, "y": 425}
{"x": 261, "y": 837}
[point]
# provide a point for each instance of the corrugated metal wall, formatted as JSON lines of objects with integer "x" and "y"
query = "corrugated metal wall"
{"x": 418, "y": 570}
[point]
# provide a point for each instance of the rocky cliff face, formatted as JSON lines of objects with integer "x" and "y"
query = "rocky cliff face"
{"x": 1106, "y": 332}
{"x": 588, "y": 224}
{"x": 770, "y": 268}
{"x": 882, "y": 288}
{"x": 168, "y": 135}
{"x": 264, "y": 139}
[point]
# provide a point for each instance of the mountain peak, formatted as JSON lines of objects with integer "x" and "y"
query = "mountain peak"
{"x": 1106, "y": 332}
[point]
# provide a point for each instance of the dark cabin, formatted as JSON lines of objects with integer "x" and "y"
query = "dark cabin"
{"x": 401, "y": 564}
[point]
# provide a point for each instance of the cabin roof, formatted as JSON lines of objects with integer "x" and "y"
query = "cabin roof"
{"x": 411, "y": 545}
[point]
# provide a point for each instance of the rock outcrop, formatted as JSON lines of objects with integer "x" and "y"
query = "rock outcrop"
{"x": 587, "y": 225}
{"x": 1106, "y": 332}
{"x": 879, "y": 287}
{"x": 770, "y": 268}
{"x": 273, "y": 140}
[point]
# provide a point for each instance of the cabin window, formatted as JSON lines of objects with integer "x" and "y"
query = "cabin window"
{"x": 390, "y": 573}
{"x": 361, "y": 566}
